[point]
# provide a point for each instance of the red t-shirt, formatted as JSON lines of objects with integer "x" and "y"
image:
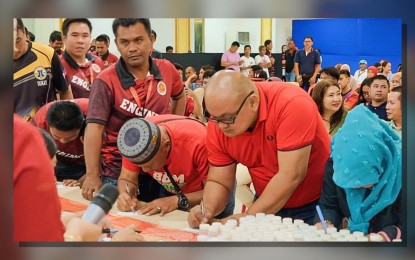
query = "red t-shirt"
{"x": 112, "y": 103}
{"x": 190, "y": 106}
{"x": 36, "y": 205}
{"x": 350, "y": 99}
{"x": 72, "y": 152}
{"x": 81, "y": 77}
{"x": 288, "y": 119}
{"x": 187, "y": 160}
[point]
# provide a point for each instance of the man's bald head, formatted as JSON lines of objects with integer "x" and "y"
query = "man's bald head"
{"x": 231, "y": 95}
{"x": 227, "y": 84}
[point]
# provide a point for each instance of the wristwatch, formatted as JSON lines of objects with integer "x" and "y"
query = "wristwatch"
{"x": 183, "y": 203}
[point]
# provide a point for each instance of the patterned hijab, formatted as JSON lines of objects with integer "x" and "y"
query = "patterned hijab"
{"x": 365, "y": 151}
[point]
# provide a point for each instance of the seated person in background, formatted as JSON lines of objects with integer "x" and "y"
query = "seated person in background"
{"x": 192, "y": 81}
{"x": 394, "y": 109}
{"x": 330, "y": 73}
{"x": 396, "y": 80}
{"x": 353, "y": 82}
{"x": 64, "y": 121}
{"x": 173, "y": 152}
{"x": 350, "y": 96}
{"x": 363, "y": 183}
{"x": 200, "y": 96}
{"x": 371, "y": 72}
{"x": 327, "y": 95}
{"x": 273, "y": 129}
{"x": 363, "y": 91}
{"x": 378, "y": 92}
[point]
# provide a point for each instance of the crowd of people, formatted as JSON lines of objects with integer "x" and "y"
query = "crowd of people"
{"x": 170, "y": 138}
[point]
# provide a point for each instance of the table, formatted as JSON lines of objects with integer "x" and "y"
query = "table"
{"x": 172, "y": 226}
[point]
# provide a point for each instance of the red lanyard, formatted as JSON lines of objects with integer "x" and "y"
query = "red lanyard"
{"x": 91, "y": 75}
{"x": 137, "y": 98}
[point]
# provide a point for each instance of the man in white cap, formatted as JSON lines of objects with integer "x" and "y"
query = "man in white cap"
{"x": 361, "y": 73}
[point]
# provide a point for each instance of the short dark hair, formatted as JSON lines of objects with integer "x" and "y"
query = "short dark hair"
{"x": 256, "y": 68}
{"x": 65, "y": 116}
{"x": 207, "y": 67}
{"x": 169, "y": 48}
{"x": 68, "y": 21}
{"x": 103, "y": 38}
{"x": 20, "y": 25}
{"x": 345, "y": 72}
{"x": 55, "y": 36}
{"x": 311, "y": 38}
{"x": 247, "y": 46}
{"x": 380, "y": 77}
{"x": 377, "y": 64}
{"x": 260, "y": 47}
{"x": 208, "y": 73}
{"x": 397, "y": 89}
{"x": 32, "y": 37}
{"x": 235, "y": 43}
{"x": 332, "y": 72}
{"x": 49, "y": 142}
{"x": 178, "y": 66}
{"x": 154, "y": 33}
{"x": 267, "y": 42}
{"x": 127, "y": 22}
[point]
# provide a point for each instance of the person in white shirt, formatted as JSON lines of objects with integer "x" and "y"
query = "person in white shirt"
{"x": 248, "y": 61}
{"x": 361, "y": 73}
{"x": 263, "y": 60}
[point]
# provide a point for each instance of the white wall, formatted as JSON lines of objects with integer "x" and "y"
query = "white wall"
{"x": 42, "y": 28}
{"x": 216, "y": 30}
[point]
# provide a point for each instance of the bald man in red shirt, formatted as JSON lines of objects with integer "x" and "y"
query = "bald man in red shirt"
{"x": 273, "y": 129}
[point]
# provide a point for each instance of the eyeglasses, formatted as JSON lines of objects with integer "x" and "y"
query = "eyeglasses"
{"x": 230, "y": 120}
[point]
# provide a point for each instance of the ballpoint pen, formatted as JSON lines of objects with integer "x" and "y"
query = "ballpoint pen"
{"x": 129, "y": 193}
{"x": 320, "y": 215}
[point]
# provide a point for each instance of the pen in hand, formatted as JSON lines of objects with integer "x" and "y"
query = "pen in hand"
{"x": 129, "y": 193}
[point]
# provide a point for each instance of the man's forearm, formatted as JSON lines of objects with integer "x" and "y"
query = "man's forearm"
{"x": 92, "y": 148}
{"x": 178, "y": 105}
{"x": 275, "y": 195}
{"x": 65, "y": 95}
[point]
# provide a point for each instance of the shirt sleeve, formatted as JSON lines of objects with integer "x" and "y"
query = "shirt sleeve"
{"x": 127, "y": 164}
{"x": 297, "y": 57}
{"x": 100, "y": 103}
{"x": 318, "y": 59}
{"x": 296, "y": 128}
{"x": 217, "y": 156}
{"x": 58, "y": 77}
{"x": 37, "y": 208}
{"x": 177, "y": 87}
{"x": 200, "y": 161}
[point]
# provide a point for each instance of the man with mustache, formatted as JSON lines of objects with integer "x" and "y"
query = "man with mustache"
{"x": 136, "y": 86}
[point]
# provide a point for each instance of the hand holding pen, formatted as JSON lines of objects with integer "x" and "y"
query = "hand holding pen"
{"x": 129, "y": 193}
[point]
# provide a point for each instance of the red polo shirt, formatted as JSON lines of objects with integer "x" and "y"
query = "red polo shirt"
{"x": 37, "y": 209}
{"x": 288, "y": 119}
{"x": 112, "y": 103}
{"x": 82, "y": 77}
{"x": 72, "y": 152}
{"x": 187, "y": 160}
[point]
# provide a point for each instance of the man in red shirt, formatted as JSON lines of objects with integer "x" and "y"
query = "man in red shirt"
{"x": 172, "y": 145}
{"x": 102, "y": 43}
{"x": 65, "y": 121}
{"x": 137, "y": 86}
{"x": 81, "y": 67}
{"x": 273, "y": 129}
